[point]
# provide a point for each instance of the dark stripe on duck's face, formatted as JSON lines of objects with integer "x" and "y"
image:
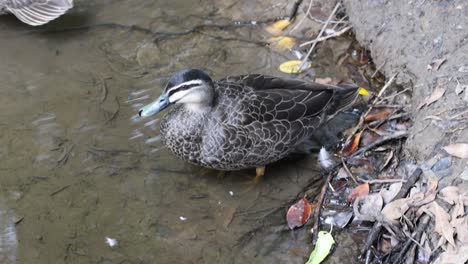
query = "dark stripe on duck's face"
{"x": 174, "y": 90}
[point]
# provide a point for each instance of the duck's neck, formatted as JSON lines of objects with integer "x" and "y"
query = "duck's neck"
{"x": 197, "y": 108}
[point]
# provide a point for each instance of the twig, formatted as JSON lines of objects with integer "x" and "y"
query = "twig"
{"x": 60, "y": 190}
{"x": 379, "y": 142}
{"x": 384, "y": 88}
{"x": 361, "y": 120}
{"x": 295, "y": 8}
{"x": 323, "y": 194}
{"x": 348, "y": 170}
{"x": 303, "y": 18}
{"x": 116, "y": 112}
{"x": 306, "y": 57}
{"x": 375, "y": 231}
{"x": 395, "y": 94}
{"x": 417, "y": 235}
{"x": 336, "y": 34}
{"x": 377, "y": 181}
{"x": 104, "y": 90}
{"x": 378, "y": 69}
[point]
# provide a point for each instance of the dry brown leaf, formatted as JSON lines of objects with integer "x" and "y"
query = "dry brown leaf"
{"x": 369, "y": 137}
{"x": 436, "y": 95}
{"x": 432, "y": 181}
{"x": 367, "y": 208}
{"x": 435, "y": 64}
{"x": 342, "y": 174}
{"x": 352, "y": 145}
{"x": 449, "y": 194}
{"x": 392, "y": 191}
{"x": 379, "y": 114}
{"x": 452, "y": 256}
{"x": 396, "y": 209}
{"x": 459, "y": 150}
{"x": 299, "y": 213}
{"x": 359, "y": 191}
{"x": 442, "y": 222}
{"x": 460, "y": 221}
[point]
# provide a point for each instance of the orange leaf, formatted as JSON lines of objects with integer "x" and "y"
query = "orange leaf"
{"x": 351, "y": 146}
{"x": 299, "y": 213}
{"x": 379, "y": 114}
{"x": 359, "y": 191}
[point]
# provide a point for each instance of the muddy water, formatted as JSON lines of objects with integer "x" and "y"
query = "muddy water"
{"x": 77, "y": 166}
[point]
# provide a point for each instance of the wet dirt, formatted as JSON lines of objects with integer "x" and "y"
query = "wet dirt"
{"x": 78, "y": 166}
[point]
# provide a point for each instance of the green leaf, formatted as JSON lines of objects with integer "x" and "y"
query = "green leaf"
{"x": 322, "y": 248}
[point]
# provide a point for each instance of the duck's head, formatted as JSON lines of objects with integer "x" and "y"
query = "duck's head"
{"x": 191, "y": 87}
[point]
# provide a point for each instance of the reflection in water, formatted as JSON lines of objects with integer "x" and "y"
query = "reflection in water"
{"x": 88, "y": 168}
{"x": 8, "y": 239}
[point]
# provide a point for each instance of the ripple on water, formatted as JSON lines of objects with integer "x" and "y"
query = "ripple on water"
{"x": 8, "y": 240}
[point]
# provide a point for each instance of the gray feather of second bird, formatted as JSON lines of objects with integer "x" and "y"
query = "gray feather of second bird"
{"x": 35, "y": 12}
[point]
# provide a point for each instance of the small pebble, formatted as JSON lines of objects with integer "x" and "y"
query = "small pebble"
{"x": 182, "y": 218}
{"x": 231, "y": 193}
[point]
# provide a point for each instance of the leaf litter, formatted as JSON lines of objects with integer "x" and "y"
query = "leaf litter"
{"x": 385, "y": 189}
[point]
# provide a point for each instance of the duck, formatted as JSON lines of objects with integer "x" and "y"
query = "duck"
{"x": 35, "y": 12}
{"x": 246, "y": 121}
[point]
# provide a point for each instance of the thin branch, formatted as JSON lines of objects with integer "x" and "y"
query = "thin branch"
{"x": 306, "y": 57}
{"x": 348, "y": 171}
{"x": 303, "y": 18}
{"x": 323, "y": 194}
{"x": 336, "y": 34}
{"x": 398, "y": 135}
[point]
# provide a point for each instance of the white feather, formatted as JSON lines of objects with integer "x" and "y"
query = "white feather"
{"x": 325, "y": 159}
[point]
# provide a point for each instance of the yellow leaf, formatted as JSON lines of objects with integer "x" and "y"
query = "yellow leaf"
{"x": 282, "y": 43}
{"x": 322, "y": 248}
{"x": 292, "y": 66}
{"x": 363, "y": 91}
{"x": 277, "y": 28}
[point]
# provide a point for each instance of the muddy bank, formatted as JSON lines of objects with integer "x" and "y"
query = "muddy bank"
{"x": 404, "y": 38}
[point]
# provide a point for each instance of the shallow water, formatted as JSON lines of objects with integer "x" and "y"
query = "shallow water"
{"x": 77, "y": 165}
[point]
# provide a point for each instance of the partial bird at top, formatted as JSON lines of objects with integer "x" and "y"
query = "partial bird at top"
{"x": 243, "y": 121}
{"x": 35, "y": 12}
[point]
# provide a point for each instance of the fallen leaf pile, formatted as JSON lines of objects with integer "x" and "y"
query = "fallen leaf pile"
{"x": 445, "y": 206}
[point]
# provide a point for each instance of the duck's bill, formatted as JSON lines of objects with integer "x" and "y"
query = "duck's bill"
{"x": 155, "y": 107}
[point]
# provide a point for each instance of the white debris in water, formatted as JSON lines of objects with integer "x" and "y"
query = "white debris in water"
{"x": 138, "y": 99}
{"x": 231, "y": 193}
{"x": 325, "y": 159}
{"x": 182, "y": 218}
{"x": 151, "y": 122}
{"x": 136, "y": 93}
{"x": 153, "y": 139}
{"x": 44, "y": 117}
{"x": 136, "y": 134}
{"x": 8, "y": 238}
{"x": 112, "y": 242}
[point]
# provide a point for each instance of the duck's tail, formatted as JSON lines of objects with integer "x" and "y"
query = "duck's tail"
{"x": 36, "y": 13}
{"x": 345, "y": 96}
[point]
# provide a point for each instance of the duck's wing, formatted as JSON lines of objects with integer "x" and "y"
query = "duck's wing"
{"x": 288, "y": 99}
{"x": 38, "y": 12}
